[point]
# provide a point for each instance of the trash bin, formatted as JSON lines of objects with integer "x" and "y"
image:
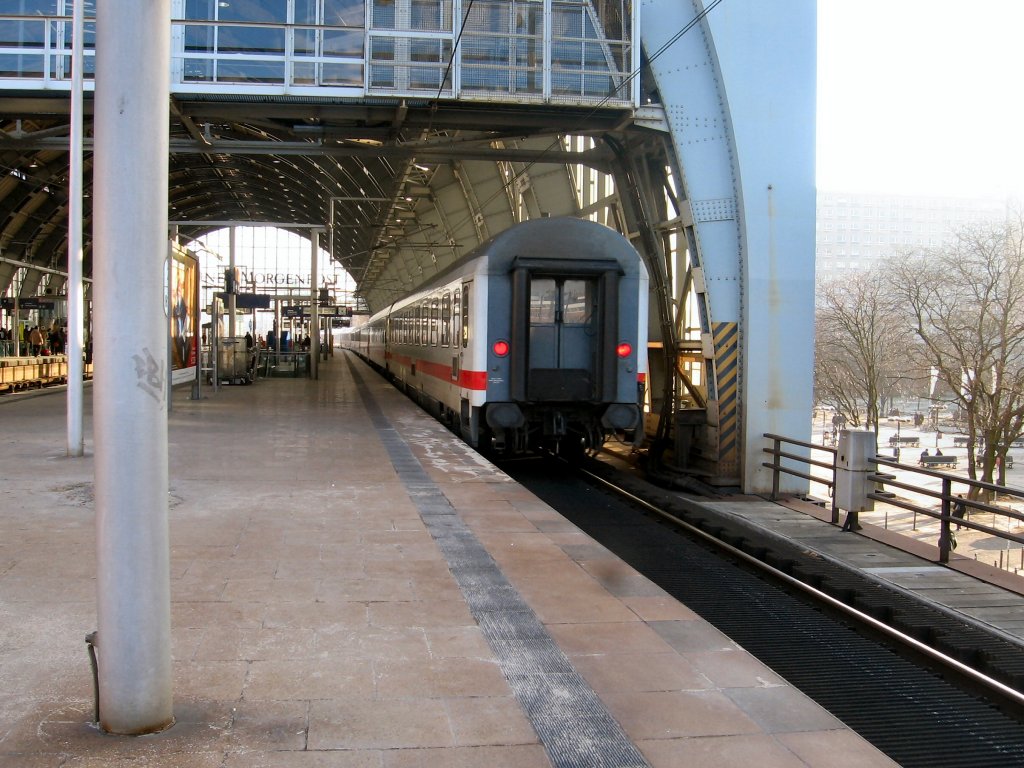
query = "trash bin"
{"x": 235, "y": 361}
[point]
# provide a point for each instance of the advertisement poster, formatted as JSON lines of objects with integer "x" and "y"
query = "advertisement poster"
{"x": 184, "y": 315}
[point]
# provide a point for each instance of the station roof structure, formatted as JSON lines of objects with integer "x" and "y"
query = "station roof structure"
{"x": 291, "y": 162}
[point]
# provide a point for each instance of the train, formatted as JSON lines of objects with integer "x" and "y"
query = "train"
{"x": 535, "y": 340}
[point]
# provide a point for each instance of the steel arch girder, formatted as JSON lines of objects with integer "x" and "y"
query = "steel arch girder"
{"x": 741, "y": 113}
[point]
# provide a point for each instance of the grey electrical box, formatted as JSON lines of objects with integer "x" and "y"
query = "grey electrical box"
{"x": 852, "y": 470}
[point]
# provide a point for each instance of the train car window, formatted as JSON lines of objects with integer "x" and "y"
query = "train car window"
{"x": 434, "y": 312}
{"x": 577, "y": 307}
{"x": 465, "y": 316}
{"x": 457, "y": 316}
{"x": 421, "y": 329}
{"x": 446, "y": 319}
{"x": 543, "y": 300}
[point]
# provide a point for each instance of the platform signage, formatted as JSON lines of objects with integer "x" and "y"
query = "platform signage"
{"x": 247, "y": 300}
{"x": 27, "y": 302}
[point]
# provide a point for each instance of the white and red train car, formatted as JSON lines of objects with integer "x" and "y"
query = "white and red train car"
{"x": 536, "y": 339}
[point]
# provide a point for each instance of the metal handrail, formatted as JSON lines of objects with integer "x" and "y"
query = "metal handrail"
{"x": 778, "y": 468}
{"x": 945, "y": 498}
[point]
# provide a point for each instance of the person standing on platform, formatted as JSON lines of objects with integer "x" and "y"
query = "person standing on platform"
{"x": 35, "y": 340}
{"x": 57, "y": 340}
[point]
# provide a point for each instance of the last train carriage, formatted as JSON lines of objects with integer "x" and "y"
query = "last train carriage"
{"x": 535, "y": 339}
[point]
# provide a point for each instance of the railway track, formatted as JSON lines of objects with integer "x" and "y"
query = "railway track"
{"x": 924, "y": 688}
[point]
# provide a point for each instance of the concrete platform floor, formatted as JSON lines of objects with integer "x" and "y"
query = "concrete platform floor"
{"x": 315, "y": 622}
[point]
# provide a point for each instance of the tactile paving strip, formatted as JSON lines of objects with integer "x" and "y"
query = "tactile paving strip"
{"x": 572, "y": 723}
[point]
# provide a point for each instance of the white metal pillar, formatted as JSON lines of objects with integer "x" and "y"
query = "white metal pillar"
{"x": 76, "y": 293}
{"x": 278, "y": 327}
{"x": 314, "y": 308}
{"x": 232, "y": 299}
{"x": 130, "y": 397}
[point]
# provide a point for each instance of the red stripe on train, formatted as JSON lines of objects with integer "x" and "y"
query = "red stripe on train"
{"x": 473, "y": 380}
{"x": 467, "y": 379}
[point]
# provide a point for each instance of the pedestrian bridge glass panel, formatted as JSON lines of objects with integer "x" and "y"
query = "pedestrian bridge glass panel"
{"x": 569, "y": 51}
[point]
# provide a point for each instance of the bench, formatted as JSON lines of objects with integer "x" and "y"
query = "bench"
{"x": 1008, "y": 461}
{"x": 904, "y": 442}
{"x": 961, "y": 441}
{"x": 932, "y": 462}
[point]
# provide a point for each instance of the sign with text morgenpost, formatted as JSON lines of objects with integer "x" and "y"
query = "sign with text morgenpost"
{"x": 273, "y": 285}
{"x": 184, "y": 315}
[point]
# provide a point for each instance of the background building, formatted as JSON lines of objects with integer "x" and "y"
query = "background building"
{"x": 855, "y": 231}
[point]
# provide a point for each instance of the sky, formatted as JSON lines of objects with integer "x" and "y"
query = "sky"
{"x": 921, "y": 97}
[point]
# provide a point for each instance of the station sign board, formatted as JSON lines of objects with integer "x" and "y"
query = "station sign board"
{"x": 303, "y": 311}
{"x": 28, "y": 302}
{"x": 247, "y": 300}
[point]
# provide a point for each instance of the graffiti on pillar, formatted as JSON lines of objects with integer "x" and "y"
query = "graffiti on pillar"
{"x": 149, "y": 373}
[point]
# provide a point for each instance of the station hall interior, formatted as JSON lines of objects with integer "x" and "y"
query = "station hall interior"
{"x": 226, "y": 540}
{"x": 355, "y": 124}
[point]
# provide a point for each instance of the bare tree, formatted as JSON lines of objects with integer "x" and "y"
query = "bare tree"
{"x": 860, "y": 342}
{"x": 966, "y": 304}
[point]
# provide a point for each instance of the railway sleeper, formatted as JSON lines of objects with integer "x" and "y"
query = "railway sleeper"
{"x": 808, "y": 575}
{"x": 780, "y": 561}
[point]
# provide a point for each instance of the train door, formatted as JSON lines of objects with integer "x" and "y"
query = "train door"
{"x": 562, "y": 338}
{"x": 454, "y": 321}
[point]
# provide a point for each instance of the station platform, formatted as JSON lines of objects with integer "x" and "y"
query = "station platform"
{"x": 353, "y": 586}
{"x": 905, "y": 559}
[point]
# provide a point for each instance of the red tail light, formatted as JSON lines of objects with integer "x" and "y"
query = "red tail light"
{"x": 500, "y": 347}
{"x": 624, "y": 349}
